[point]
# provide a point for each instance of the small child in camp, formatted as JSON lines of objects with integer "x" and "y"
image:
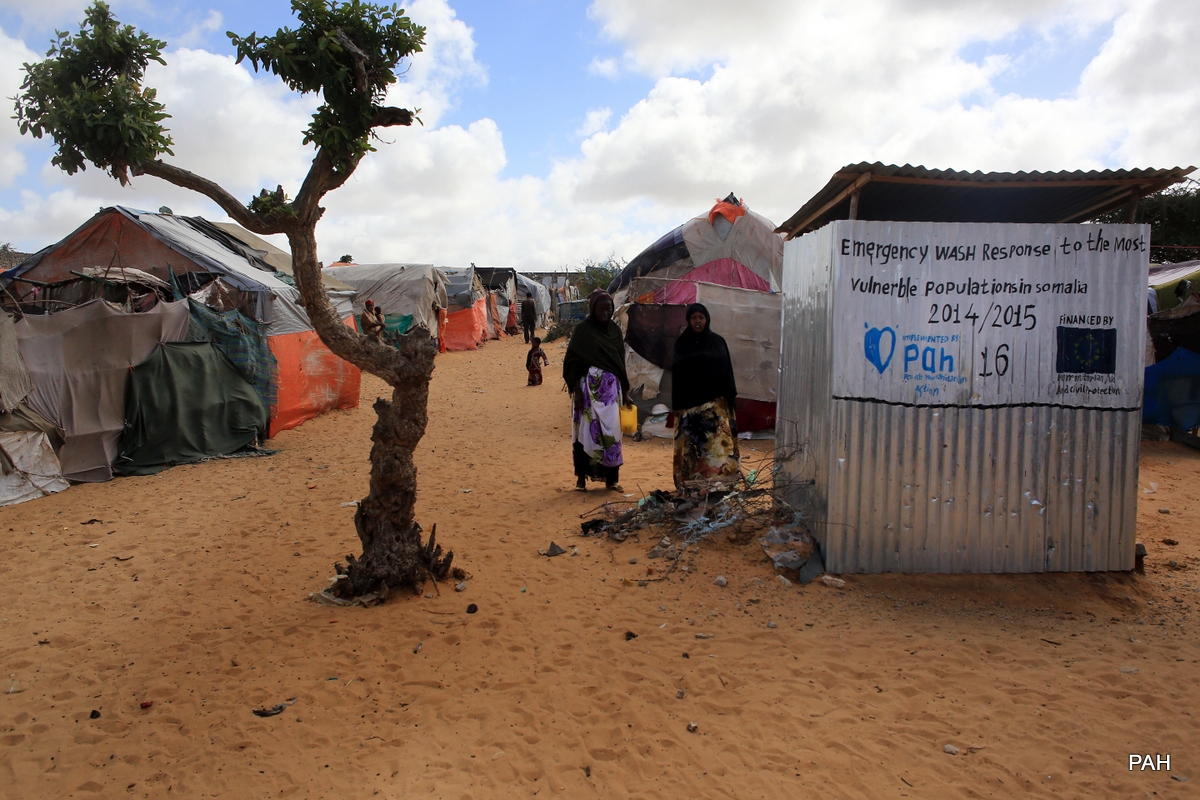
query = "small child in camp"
{"x": 534, "y": 360}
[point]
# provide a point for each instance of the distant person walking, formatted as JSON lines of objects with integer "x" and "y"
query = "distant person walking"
{"x": 594, "y": 370}
{"x": 371, "y": 321}
{"x": 534, "y": 361}
{"x": 528, "y": 316}
{"x": 703, "y": 394}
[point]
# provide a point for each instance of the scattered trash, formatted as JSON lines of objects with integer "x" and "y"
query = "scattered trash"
{"x": 351, "y": 504}
{"x": 523, "y": 589}
{"x": 1164, "y": 510}
{"x": 693, "y": 727}
{"x": 417, "y": 649}
{"x": 630, "y": 635}
{"x": 94, "y": 544}
{"x": 325, "y": 598}
{"x": 465, "y": 491}
{"x": 553, "y": 550}
{"x": 951, "y": 750}
{"x": 704, "y": 635}
{"x": 784, "y": 581}
{"x": 119, "y": 558}
{"x": 461, "y": 586}
{"x": 679, "y": 694}
{"x": 685, "y": 655}
{"x": 1169, "y": 542}
{"x": 268, "y": 712}
{"x": 721, "y": 581}
{"x": 92, "y": 521}
{"x": 471, "y": 609}
{"x": 1179, "y": 778}
{"x": 1151, "y": 488}
{"x": 14, "y": 688}
{"x": 145, "y": 703}
{"x": 771, "y": 624}
{"x": 1129, "y": 670}
{"x": 832, "y": 582}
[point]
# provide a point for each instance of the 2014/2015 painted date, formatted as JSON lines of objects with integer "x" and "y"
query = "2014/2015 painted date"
{"x": 997, "y": 316}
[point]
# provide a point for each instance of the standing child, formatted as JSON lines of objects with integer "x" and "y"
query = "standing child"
{"x": 534, "y": 360}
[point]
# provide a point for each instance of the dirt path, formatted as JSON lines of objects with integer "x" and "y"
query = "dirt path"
{"x": 188, "y": 592}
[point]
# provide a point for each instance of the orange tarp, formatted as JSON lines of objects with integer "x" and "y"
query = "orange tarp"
{"x": 467, "y": 328}
{"x": 312, "y": 380}
{"x": 494, "y": 316}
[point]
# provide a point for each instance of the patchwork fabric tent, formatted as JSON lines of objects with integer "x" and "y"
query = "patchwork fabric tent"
{"x": 408, "y": 294}
{"x": 541, "y": 296}
{"x": 220, "y": 270}
{"x": 467, "y": 322}
{"x": 729, "y": 259}
{"x": 29, "y": 465}
{"x": 1165, "y": 277}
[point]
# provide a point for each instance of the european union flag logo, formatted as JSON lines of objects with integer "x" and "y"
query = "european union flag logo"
{"x": 1087, "y": 350}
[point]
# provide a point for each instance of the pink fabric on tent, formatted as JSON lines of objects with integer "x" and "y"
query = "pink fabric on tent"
{"x": 722, "y": 272}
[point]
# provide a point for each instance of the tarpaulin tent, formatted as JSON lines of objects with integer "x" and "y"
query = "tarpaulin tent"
{"x": 1172, "y": 391}
{"x": 29, "y": 467}
{"x": 221, "y": 266}
{"x": 729, "y": 245}
{"x": 407, "y": 294}
{"x": 730, "y": 259}
{"x": 1165, "y": 277}
{"x": 541, "y": 296}
{"x": 467, "y": 322}
{"x": 186, "y": 402}
{"x": 79, "y": 361}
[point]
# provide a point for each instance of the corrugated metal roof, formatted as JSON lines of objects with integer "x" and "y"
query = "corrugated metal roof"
{"x": 919, "y": 194}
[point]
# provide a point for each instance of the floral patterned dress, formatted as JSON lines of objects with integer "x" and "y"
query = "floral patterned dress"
{"x": 705, "y": 444}
{"x": 597, "y": 426}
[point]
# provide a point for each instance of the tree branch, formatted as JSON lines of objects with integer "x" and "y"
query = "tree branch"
{"x": 389, "y": 116}
{"x": 197, "y": 183}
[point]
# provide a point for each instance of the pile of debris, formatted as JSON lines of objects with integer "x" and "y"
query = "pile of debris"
{"x": 682, "y": 519}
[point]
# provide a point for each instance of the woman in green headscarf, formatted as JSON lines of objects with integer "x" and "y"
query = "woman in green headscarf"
{"x": 594, "y": 371}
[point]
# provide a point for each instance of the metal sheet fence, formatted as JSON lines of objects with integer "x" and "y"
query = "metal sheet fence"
{"x": 890, "y": 487}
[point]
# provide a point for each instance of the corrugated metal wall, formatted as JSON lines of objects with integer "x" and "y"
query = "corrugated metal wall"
{"x": 900, "y": 488}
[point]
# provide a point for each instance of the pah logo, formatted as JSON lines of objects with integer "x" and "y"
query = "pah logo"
{"x": 873, "y": 346}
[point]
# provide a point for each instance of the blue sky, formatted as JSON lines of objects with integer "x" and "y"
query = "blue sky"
{"x": 559, "y": 131}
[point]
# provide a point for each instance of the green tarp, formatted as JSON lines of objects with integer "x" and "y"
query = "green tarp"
{"x": 244, "y": 343}
{"x": 186, "y": 402}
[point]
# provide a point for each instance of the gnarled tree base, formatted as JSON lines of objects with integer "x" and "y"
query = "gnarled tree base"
{"x": 393, "y": 562}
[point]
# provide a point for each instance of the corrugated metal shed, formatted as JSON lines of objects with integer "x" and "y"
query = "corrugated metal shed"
{"x": 918, "y": 194}
{"x": 900, "y": 439}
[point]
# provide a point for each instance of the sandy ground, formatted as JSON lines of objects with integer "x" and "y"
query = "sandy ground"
{"x": 186, "y": 590}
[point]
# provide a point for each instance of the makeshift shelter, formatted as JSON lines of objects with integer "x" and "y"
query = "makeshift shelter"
{"x": 730, "y": 259}
{"x": 407, "y": 294}
{"x": 186, "y": 402}
{"x": 29, "y": 465}
{"x": 79, "y": 361}
{"x": 1165, "y": 277}
{"x": 467, "y": 321}
{"x": 940, "y": 412}
{"x": 218, "y": 269}
{"x": 541, "y": 296}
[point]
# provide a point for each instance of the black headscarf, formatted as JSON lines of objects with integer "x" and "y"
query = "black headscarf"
{"x": 701, "y": 370}
{"x": 595, "y": 344}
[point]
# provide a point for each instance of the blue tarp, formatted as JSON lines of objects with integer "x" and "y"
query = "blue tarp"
{"x": 1173, "y": 391}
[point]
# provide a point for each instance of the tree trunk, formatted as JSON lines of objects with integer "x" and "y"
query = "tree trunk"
{"x": 393, "y": 554}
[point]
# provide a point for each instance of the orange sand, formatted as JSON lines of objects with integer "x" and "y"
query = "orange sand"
{"x": 190, "y": 593}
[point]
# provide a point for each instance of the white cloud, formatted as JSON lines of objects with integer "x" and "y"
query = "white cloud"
{"x": 13, "y": 53}
{"x": 596, "y": 120}
{"x": 604, "y": 67}
{"x": 198, "y": 33}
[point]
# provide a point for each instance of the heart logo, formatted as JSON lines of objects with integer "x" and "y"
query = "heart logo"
{"x": 872, "y": 349}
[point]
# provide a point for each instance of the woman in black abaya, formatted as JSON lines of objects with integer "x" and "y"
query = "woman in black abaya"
{"x": 703, "y": 392}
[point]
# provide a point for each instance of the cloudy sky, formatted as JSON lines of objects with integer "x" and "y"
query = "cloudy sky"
{"x": 558, "y": 131}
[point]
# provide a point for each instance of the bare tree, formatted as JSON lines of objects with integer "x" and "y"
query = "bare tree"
{"x": 88, "y": 95}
